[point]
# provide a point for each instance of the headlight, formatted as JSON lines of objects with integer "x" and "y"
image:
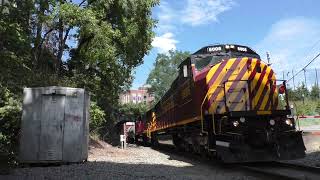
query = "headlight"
{"x": 272, "y": 122}
{"x": 242, "y": 119}
{"x": 235, "y": 123}
{"x": 289, "y": 122}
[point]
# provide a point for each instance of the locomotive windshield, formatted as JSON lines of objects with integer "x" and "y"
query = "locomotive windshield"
{"x": 212, "y": 55}
{"x": 204, "y": 61}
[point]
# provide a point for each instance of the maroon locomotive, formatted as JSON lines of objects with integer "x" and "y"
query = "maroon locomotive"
{"x": 228, "y": 103}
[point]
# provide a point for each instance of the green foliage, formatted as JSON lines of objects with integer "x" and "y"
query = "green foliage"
{"x": 165, "y": 71}
{"x": 300, "y": 93}
{"x": 10, "y": 114}
{"x": 306, "y": 108}
{"x": 315, "y": 92}
{"x": 318, "y": 108}
{"x": 112, "y": 39}
{"x": 309, "y": 104}
{"x": 132, "y": 111}
{"x": 97, "y": 117}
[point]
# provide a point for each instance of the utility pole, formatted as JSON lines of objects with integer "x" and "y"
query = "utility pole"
{"x": 282, "y": 75}
{"x": 294, "y": 86}
{"x": 268, "y": 58}
{"x": 305, "y": 79}
{"x": 317, "y": 82}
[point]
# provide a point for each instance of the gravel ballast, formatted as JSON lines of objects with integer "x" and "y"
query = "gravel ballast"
{"x": 135, "y": 162}
{"x": 138, "y": 162}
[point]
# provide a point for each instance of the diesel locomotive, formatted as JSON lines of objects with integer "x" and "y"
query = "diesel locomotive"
{"x": 226, "y": 102}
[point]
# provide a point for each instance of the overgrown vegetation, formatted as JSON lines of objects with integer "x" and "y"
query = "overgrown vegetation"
{"x": 91, "y": 44}
{"x": 10, "y": 115}
{"x": 305, "y": 101}
{"x": 133, "y": 111}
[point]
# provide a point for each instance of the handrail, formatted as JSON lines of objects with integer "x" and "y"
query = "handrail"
{"x": 201, "y": 115}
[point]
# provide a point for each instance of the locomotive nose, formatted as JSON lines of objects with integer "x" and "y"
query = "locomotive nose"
{"x": 239, "y": 84}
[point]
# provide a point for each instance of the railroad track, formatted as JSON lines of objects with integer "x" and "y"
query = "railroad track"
{"x": 281, "y": 170}
{"x": 269, "y": 170}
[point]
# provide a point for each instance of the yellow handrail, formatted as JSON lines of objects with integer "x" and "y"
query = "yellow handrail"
{"x": 201, "y": 115}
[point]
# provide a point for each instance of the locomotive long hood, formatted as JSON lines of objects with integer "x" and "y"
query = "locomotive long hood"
{"x": 241, "y": 84}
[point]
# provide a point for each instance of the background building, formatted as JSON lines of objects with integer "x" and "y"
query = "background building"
{"x": 136, "y": 96}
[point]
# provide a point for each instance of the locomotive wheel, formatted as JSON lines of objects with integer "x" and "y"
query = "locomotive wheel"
{"x": 203, "y": 152}
{"x": 154, "y": 140}
{"x": 145, "y": 140}
{"x": 178, "y": 142}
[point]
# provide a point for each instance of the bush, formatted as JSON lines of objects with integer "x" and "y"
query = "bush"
{"x": 308, "y": 108}
{"x": 10, "y": 115}
{"x": 97, "y": 117}
{"x": 318, "y": 108}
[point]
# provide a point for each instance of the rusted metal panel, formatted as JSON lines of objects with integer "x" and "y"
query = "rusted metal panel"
{"x": 55, "y": 125}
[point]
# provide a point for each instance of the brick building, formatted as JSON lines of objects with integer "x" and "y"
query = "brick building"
{"x": 136, "y": 96}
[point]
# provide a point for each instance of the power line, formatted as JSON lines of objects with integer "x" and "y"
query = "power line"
{"x": 304, "y": 68}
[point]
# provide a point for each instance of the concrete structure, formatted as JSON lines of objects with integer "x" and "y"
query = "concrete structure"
{"x": 140, "y": 95}
{"x": 54, "y": 125}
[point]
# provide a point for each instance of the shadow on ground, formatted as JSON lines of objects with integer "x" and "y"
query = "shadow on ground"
{"x": 111, "y": 170}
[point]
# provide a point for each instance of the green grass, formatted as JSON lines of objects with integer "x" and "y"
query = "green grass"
{"x": 309, "y": 122}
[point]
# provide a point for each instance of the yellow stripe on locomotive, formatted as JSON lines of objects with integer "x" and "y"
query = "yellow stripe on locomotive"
{"x": 241, "y": 84}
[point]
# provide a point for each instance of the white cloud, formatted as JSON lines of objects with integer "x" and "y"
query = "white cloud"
{"x": 292, "y": 43}
{"x": 192, "y": 12}
{"x": 166, "y": 18}
{"x": 289, "y": 41}
{"x": 165, "y": 42}
{"x": 198, "y": 12}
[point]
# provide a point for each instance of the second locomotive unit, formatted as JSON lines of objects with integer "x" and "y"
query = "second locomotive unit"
{"x": 226, "y": 102}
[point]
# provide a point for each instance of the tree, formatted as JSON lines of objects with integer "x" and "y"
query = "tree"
{"x": 300, "y": 93}
{"x": 133, "y": 111}
{"x": 317, "y": 110}
{"x": 15, "y": 46}
{"x": 110, "y": 40}
{"x": 10, "y": 114}
{"x": 165, "y": 71}
{"x": 315, "y": 92}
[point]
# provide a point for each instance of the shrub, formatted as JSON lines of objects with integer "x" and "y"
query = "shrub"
{"x": 318, "y": 108}
{"x": 97, "y": 117}
{"x": 10, "y": 115}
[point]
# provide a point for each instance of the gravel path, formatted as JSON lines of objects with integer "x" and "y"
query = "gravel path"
{"x": 106, "y": 162}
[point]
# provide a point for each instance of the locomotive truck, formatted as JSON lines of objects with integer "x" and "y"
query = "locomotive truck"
{"x": 225, "y": 102}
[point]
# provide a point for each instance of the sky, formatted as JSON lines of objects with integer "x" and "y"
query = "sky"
{"x": 288, "y": 29}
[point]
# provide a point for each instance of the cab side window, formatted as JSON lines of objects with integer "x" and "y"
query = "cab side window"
{"x": 185, "y": 70}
